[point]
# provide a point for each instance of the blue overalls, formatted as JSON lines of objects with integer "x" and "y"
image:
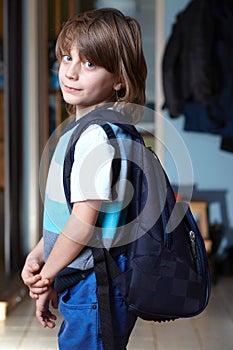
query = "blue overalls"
{"x": 80, "y": 329}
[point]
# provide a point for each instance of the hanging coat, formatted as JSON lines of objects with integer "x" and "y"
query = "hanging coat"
{"x": 187, "y": 62}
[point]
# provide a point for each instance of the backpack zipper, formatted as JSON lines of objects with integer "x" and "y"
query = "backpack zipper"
{"x": 192, "y": 237}
{"x": 197, "y": 253}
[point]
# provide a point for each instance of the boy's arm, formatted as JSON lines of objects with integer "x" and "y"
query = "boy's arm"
{"x": 36, "y": 256}
{"x": 73, "y": 238}
{"x": 31, "y": 269}
{"x": 43, "y": 312}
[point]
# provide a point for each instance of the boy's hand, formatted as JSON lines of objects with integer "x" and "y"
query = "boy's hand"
{"x": 32, "y": 279}
{"x": 43, "y": 313}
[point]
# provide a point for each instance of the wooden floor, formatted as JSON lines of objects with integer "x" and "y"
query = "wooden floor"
{"x": 212, "y": 330}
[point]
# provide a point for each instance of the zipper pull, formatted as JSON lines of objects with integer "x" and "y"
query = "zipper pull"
{"x": 192, "y": 236}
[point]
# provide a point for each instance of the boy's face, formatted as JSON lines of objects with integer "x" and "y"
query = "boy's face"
{"x": 83, "y": 84}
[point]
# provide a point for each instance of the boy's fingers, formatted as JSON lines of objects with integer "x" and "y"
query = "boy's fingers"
{"x": 40, "y": 283}
{"x": 49, "y": 324}
{"x": 33, "y": 295}
{"x": 36, "y": 282}
{"x": 46, "y": 319}
{"x": 36, "y": 266}
{"x": 39, "y": 290}
{"x": 32, "y": 280}
{"x": 33, "y": 267}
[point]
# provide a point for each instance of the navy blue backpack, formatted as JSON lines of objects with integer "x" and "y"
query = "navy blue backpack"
{"x": 167, "y": 275}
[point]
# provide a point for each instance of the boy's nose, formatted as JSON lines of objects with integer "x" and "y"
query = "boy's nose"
{"x": 73, "y": 72}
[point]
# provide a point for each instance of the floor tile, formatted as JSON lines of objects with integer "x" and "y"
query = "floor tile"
{"x": 212, "y": 330}
{"x": 142, "y": 336}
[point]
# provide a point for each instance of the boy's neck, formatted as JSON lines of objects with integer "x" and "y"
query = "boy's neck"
{"x": 83, "y": 111}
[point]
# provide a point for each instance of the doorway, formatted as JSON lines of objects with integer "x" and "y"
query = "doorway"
{"x": 11, "y": 135}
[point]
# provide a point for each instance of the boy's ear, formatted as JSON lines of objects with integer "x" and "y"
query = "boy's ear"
{"x": 118, "y": 86}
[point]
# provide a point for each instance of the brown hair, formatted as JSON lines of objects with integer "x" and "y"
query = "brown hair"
{"x": 111, "y": 40}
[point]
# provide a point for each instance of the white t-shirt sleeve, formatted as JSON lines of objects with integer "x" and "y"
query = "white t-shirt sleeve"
{"x": 91, "y": 174}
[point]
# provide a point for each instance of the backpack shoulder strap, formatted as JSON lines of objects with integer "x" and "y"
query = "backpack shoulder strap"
{"x": 99, "y": 254}
{"x": 69, "y": 156}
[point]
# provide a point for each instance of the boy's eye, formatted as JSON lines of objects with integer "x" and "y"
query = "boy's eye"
{"x": 67, "y": 58}
{"x": 88, "y": 64}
